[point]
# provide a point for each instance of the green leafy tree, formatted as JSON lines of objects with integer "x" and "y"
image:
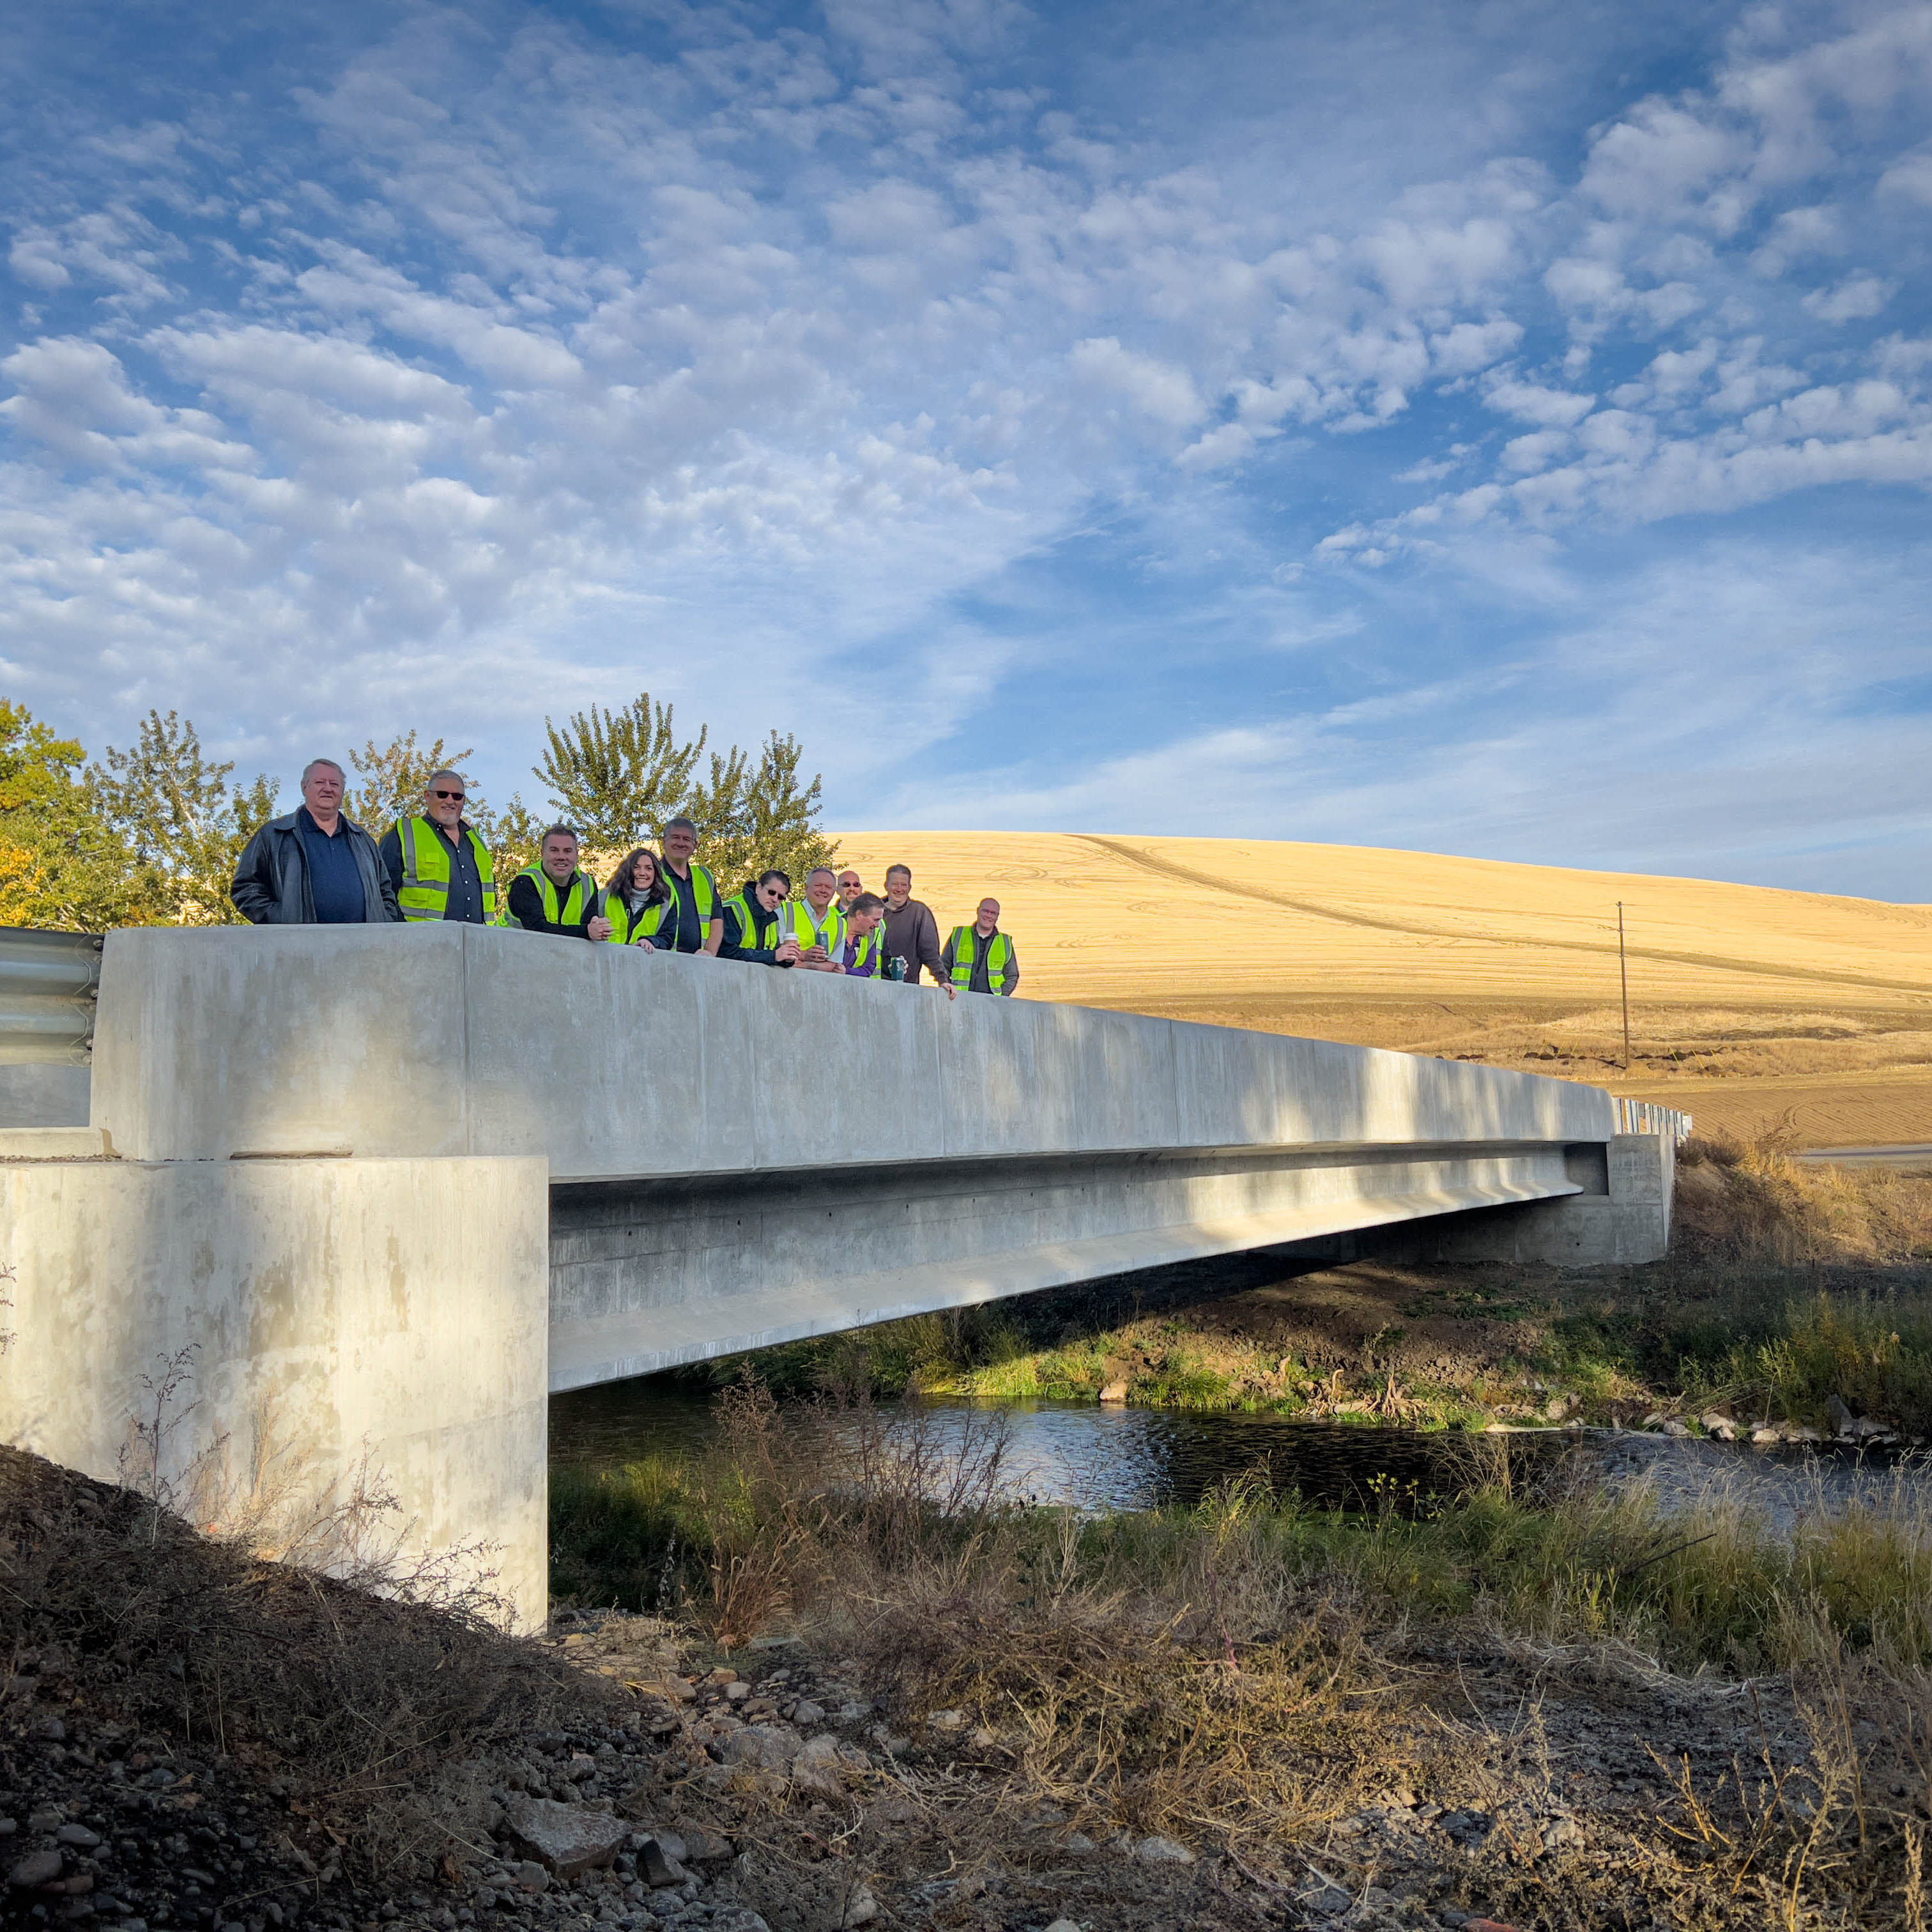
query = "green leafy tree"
{"x": 179, "y": 820}
{"x": 59, "y": 866}
{"x": 619, "y": 774}
{"x": 779, "y": 816}
{"x": 720, "y": 806}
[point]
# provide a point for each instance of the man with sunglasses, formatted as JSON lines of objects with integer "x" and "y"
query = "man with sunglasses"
{"x": 440, "y": 866}
{"x": 752, "y": 923}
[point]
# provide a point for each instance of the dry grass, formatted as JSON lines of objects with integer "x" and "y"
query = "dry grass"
{"x": 352, "y": 1700}
{"x": 1747, "y": 1003}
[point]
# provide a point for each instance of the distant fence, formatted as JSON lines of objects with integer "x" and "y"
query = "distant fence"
{"x": 1646, "y": 1116}
{"x": 48, "y": 985}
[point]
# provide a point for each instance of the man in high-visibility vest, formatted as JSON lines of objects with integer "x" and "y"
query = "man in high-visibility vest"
{"x": 816, "y": 923}
{"x": 553, "y": 895}
{"x": 979, "y": 958}
{"x": 439, "y": 865}
{"x": 694, "y": 922}
{"x": 752, "y": 923}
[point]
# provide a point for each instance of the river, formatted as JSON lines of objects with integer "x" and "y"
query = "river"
{"x": 1102, "y": 1458}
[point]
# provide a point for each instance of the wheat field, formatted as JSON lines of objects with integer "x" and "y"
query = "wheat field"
{"x": 1801, "y": 1014}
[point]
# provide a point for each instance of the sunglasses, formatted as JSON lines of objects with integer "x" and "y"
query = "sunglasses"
{"x": 437, "y": 791}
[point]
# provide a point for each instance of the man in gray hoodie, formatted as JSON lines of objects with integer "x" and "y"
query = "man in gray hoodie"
{"x": 911, "y": 933}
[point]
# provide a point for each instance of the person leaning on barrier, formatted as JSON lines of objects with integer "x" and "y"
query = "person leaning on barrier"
{"x": 699, "y": 926}
{"x": 863, "y": 955}
{"x": 553, "y": 895}
{"x": 816, "y": 923}
{"x": 912, "y": 934}
{"x": 751, "y": 927}
{"x": 438, "y": 865}
{"x": 979, "y": 958}
{"x": 314, "y": 866}
{"x": 637, "y": 901}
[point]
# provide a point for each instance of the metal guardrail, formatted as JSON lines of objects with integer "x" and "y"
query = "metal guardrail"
{"x": 1646, "y": 1116}
{"x": 48, "y": 982}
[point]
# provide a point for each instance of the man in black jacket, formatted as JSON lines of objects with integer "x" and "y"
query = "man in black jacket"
{"x": 553, "y": 896}
{"x": 314, "y": 867}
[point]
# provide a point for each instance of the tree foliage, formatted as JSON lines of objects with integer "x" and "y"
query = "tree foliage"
{"x": 617, "y": 775}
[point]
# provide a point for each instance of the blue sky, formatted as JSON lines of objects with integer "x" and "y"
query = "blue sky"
{"x": 1501, "y": 428}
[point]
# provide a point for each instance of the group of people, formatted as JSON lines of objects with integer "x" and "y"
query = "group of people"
{"x": 315, "y": 866}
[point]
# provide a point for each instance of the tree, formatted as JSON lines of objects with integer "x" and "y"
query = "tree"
{"x": 719, "y": 805}
{"x": 177, "y": 819}
{"x": 58, "y": 866}
{"x": 780, "y": 816}
{"x": 619, "y": 774}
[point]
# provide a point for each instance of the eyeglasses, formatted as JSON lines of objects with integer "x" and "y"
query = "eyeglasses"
{"x": 436, "y": 791}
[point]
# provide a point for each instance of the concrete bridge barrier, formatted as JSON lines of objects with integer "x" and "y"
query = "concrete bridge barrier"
{"x": 328, "y": 1155}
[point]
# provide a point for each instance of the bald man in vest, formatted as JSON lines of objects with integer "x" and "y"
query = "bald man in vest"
{"x": 979, "y": 958}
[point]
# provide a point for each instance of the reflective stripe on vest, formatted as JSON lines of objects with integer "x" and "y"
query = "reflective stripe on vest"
{"x": 752, "y": 920}
{"x": 869, "y": 954}
{"x": 966, "y": 951}
{"x": 573, "y": 913}
{"x": 795, "y": 921}
{"x": 424, "y": 892}
{"x": 617, "y": 910}
{"x": 704, "y": 895}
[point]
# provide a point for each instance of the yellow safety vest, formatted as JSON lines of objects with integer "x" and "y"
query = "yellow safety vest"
{"x": 424, "y": 892}
{"x": 753, "y": 922}
{"x": 648, "y": 918}
{"x": 703, "y": 894}
{"x": 795, "y": 921}
{"x": 965, "y": 952}
{"x": 580, "y": 890}
{"x": 870, "y": 957}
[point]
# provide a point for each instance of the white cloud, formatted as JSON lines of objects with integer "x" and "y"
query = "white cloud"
{"x": 1855, "y": 299}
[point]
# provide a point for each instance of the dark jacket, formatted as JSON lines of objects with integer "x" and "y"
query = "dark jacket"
{"x": 271, "y": 886}
{"x": 527, "y": 905}
{"x": 912, "y": 935}
{"x": 760, "y": 943}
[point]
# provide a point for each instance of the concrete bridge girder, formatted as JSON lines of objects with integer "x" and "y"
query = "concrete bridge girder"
{"x": 461, "y": 1166}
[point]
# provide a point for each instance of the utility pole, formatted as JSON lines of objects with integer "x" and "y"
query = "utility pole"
{"x": 1623, "y": 971}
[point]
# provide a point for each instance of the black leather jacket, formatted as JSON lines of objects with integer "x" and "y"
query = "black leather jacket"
{"x": 271, "y": 885}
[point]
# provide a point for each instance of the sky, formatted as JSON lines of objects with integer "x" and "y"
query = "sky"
{"x": 1502, "y": 428}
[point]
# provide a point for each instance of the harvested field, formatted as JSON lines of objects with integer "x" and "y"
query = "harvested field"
{"x": 1752, "y": 1008}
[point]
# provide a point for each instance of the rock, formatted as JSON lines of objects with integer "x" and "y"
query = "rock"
{"x": 736, "y": 1693}
{"x": 984, "y": 1738}
{"x": 947, "y": 1720}
{"x": 36, "y": 1868}
{"x": 1076, "y": 1841}
{"x": 1157, "y": 1850}
{"x": 79, "y": 1836}
{"x": 737, "y": 1918}
{"x": 817, "y": 1767}
{"x": 1065, "y": 1925}
{"x": 704, "y": 1846}
{"x": 656, "y": 1868}
{"x": 1113, "y": 1391}
{"x": 1839, "y": 1418}
{"x": 48, "y": 1818}
{"x": 861, "y": 1908}
{"x": 1764, "y": 1433}
{"x": 1712, "y": 1424}
{"x": 530, "y": 1876}
{"x": 568, "y": 1840}
{"x": 582, "y": 1765}
{"x": 805, "y": 1712}
{"x": 48, "y": 1731}
{"x": 1674, "y": 1427}
{"x": 1325, "y": 1899}
{"x": 762, "y": 1747}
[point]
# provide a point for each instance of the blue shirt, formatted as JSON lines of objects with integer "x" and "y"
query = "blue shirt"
{"x": 334, "y": 879}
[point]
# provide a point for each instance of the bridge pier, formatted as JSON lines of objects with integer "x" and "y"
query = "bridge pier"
{"x": 368, "y": 1194}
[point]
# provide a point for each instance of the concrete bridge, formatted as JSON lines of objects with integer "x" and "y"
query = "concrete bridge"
{"x": 392, "y": 1187}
